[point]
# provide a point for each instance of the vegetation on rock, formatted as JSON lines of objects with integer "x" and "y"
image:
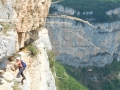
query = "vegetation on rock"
{"x": 64, "y": 81}
{"x": 97, "y": 78}
{"x": 33, "y": 50}
{"x": 51, "y": 58}
{"x": 16, "y": 86}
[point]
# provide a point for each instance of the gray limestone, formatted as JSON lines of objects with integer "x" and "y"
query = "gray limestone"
{"x": 79, "y": 44}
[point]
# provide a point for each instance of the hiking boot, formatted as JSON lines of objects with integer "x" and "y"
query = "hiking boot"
{"x": 23, "y": 78}
{"x": 22, "y": 82}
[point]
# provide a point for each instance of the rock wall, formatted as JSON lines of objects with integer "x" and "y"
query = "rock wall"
{"x": 7, "y": 34}
{"x": 31, "y": 14}
{"x": 79, "y": 44}
{"x": 39, "y": 75}
{"x": 26, "y": 16}
{"x": 22, "y": 19}
{"x": 7, "y": 47}
{"x": 21, "y": 23}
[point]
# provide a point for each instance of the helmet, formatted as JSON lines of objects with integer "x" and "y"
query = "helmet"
{"x": 18, "y": 58}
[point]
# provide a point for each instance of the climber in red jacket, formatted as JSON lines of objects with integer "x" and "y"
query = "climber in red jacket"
{"x": 21, "y": 69}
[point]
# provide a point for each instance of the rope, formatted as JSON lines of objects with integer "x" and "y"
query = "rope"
{"x": 72, "y": 18}
{"x": 57, "y": 1}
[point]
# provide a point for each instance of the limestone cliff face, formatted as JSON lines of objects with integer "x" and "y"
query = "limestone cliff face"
{"x": 31, "y": 15}
{"x": 27, "y": 17}
{"x": 7, "y": 46}
{"x": 39, "y": 75}
{"x": 79, "y": 44}
{"x": 21, "y": 23}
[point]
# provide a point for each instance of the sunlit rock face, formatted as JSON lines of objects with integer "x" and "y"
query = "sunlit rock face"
{"x": 27, "y": 16}
{"x": 31, "y": 14}
{"x": 38, "y": 73}
{"x": 79, "y": 44}
{"x": 20, "y": 22}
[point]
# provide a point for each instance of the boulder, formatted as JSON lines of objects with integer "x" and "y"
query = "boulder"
{"x": 8, "y": 76}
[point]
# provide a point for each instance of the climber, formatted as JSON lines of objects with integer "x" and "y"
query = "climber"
{"x": 21, "y": 67}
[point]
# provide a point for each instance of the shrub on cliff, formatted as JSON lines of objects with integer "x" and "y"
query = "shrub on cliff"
{"x": 33, "y": 50}
{"x": 51, "y": 58}
{"x": 64, "y": 81}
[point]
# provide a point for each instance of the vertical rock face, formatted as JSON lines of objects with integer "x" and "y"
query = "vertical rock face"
{"x": 79, "y": 44}
{"x": 39, "y": 75}
{"x": 21, "y": 23}
{"x": 7, "y": 46}
{"x": 31, "y": 14}
{"x": 26, "y": 16}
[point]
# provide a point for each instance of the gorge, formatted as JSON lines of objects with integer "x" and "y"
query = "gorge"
{"x": 79, "y": 43}
{"x": 85, "y": 40}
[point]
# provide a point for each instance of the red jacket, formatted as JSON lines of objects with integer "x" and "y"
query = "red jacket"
{"x": 19, "y": 63}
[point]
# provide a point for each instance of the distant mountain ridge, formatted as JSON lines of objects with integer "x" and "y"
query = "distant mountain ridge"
{"x": 92, "y": 10}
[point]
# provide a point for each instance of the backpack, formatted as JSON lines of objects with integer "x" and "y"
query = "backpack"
{"x": 24, "y": 64}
